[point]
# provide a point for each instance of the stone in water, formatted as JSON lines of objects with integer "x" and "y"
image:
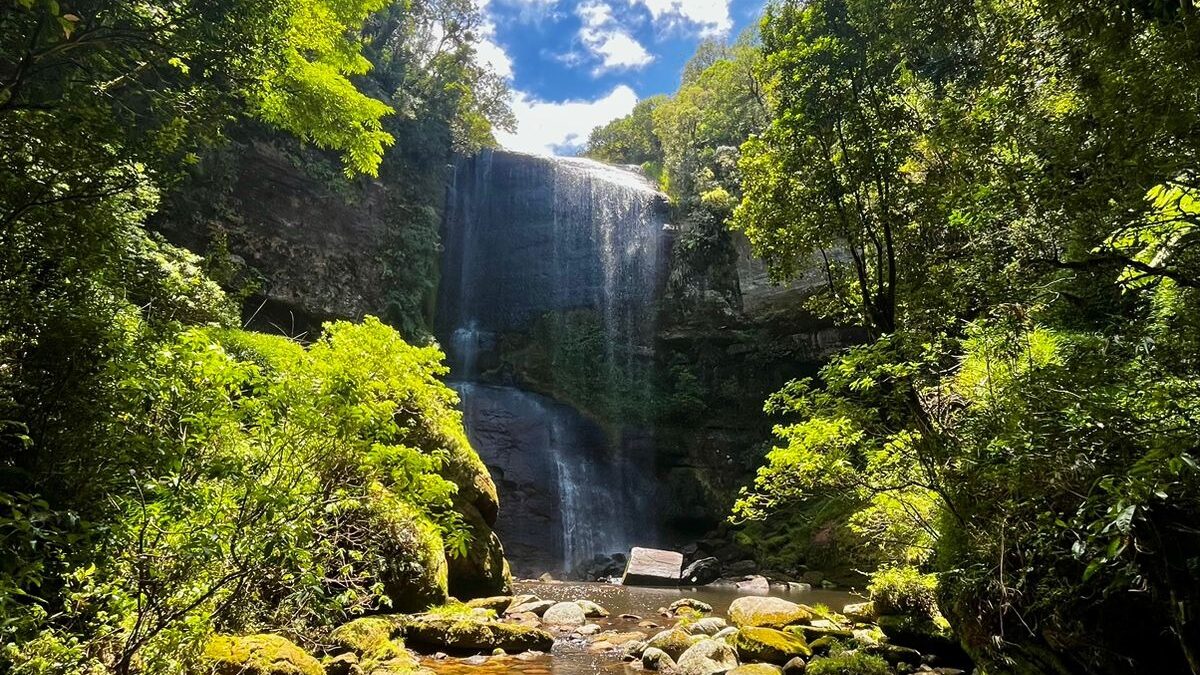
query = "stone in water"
{"x": 652, "y": 567}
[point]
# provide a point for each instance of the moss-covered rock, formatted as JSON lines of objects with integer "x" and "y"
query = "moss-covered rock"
{"x": 482, "y": 570}
{"x": 702, "y": 607}
{"x": 656, "y": 659}
{"x": 757, "y": 669}
{"x": 930, "y": 636}
{"x": 770, "y": 645}
{"x": 591, "y": 609}
{"x": 415, "y": 576}
{"x": 495, "y": 603}
{"x": 469, "y": 634}
{"x": 368, "y": 636}
{"x": 767, "y": 612}
{"x": 258, "y": 655}
{"x": 673, "y": 641}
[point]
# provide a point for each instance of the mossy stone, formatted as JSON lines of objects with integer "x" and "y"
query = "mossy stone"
{"x": 767, "y": 612}
{"x": 468, "y": 634}
{"x": 770, "y": 645}
{"x": 259, "y": 655}
{"x": 368, "y": 636}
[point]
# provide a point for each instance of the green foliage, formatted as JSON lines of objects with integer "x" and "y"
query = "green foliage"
{"x": 904, "y": 590}
{"x": 848, "y": 663}
{"x": 993, "y": 192}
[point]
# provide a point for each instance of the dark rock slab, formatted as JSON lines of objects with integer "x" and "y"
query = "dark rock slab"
{"x": 701, "y": 572}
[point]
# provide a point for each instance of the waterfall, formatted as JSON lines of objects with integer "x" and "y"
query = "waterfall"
{"x": 554, "y": 265}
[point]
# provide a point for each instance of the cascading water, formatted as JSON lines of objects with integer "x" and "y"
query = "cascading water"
{"x": 531, "y": 242}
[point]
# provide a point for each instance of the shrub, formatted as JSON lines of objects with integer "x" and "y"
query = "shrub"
{"x": 904, "y": 590}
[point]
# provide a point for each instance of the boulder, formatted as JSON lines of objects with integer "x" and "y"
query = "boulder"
{"x": 368, "y": 637}
{"x": 588, "y": 629}
{"x": 537, "y": 607}
{"x": 702, "y": 607}
{"x": 343, "y": 664}
{"x": 496, "y": 603}
{"x": 656, "y": 659}
{"x": 770, "y": 645}
{"x": 863, "y": 612}
{"x": 258, "y": 655}
{"x": 810, "y": 633}
{"x": 726, "y": 634}
{"x": 565, "y": 614}
{"x": 415, "y": 576}
{"x": 707, "y": 626}
{"x": 464, "y": 634}
{"x": 591, "y": 609}
{"x": 708, "y": 657}
{"x": 652, "y": 567}
{"x": 755, "y": 584}
{"x": 767, "y": 612}
{"x": 701, "y": 572}
{"x": 757, "y": 669}
{"x": 482, "y": 570}
{"x": 674, "y": 642}
{"x": 522, "y": 599}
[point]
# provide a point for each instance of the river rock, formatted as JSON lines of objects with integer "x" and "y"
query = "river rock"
{"x": 754, "y": 584}
{"x": 537, "y": 607}
{"x": 673, "y": 641}
{"x": 770, "y": 645}
{"x": 588, "y": 629}
{"x": 767, "y": 612}
{"x": 726, "y": 634}
{"x": 656, "y": 659}
{"x": 591, "y": 609}
{"x": 565, "y": 614}
{"x": 708, "y": 657}
{"x": 702, "y": 607}
{"x": 259, "y": 654}
{"x": 496, "y": 603}
{"x": 757, "y": 669}
{"x": 863, "y": 612}
{"x": 469, "y": 634}
{"x": 701, "y": 572}
{"x": 652, "y": 567}
{"x": 707, "y": 626}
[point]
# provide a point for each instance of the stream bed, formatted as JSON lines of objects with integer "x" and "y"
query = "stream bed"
{"x": 573, "y": 655}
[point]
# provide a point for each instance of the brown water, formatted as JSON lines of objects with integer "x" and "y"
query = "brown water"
{"x": 574, "y": 655}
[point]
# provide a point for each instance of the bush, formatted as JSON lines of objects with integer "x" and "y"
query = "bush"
{"x": 904, "y": 590}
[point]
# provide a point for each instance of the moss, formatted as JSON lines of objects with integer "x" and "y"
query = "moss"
{"x": 258, "y": 655}
{"x": 416, "y": 576}
{"x": 674, "y": 642}
{"x": 772, "y": 646}
{"x": 466, "y": 634}
{"x": 767, "y": 612}
{"x": 368, "y": 637}
{"x": 849, "y": 663}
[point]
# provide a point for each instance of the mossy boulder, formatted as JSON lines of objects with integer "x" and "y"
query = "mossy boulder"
{"x": 258, "y": 655}
{"x": 702, "y": 607}
{"x": 656, "y": 659}
{"x": 757, "y": 669}
{"x": 810, "y": 633}
{"x": 470, "y": 634}
{"x": 482, "y": 570}
{"x": 368, "y": 636}
{"x": 770, "y": 645}
{"x": 929, "y": 636}
{"x": 495, "y": 603}
{"x": 767, "y": 612}
{"x": 415, "y": 575}
{"x": 591, "y": 609}
{"x": 848, "y": 663}
{"x": 707, "y": 626}
{"x": 673, "y": 641}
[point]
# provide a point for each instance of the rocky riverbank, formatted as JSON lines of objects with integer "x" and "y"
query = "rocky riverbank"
{"x": 554, "y": 631}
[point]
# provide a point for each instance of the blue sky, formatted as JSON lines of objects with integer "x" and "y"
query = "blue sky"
{"x": 575, "y": 65}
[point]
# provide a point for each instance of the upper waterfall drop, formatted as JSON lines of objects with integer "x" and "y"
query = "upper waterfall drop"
{"x": 552, "y": 271}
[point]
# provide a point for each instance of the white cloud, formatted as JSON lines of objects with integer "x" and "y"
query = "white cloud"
{"x": 710, "y": 16}
{"x": 547, "y": 127}
{"x": 615, "y": 48}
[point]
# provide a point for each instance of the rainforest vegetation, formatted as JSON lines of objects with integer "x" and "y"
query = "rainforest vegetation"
{"x": 1004, "y": 195}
